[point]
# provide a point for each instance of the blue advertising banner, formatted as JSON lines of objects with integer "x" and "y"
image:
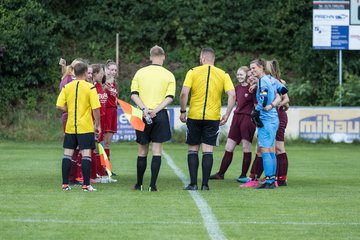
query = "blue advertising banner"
{"x": 339, "y": 37}
{"x": 126, "y": 133}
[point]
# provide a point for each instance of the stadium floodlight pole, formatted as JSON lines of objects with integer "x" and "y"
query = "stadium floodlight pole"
{"x": 340, "y": 76}
{"x": 117, "y": 53}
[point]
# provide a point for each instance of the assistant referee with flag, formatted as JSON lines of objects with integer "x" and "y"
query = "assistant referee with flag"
{"x": 152, "y": 89}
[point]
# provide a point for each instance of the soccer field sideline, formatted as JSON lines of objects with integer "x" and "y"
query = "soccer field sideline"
{"x": 313, "y": 206}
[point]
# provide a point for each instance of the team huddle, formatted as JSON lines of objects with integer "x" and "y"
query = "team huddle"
{"x": 88, "y": 100}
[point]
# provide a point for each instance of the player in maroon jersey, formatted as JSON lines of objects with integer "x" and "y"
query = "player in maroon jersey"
{"x": 241, "y": 129}
{"x": 98, "y": 74}
{"x": 111, "y": 89}
{"x": 257, "y": 165}
{"x": 282, "y": 107}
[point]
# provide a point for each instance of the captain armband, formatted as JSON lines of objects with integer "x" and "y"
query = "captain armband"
{"x": 264, "y": 96}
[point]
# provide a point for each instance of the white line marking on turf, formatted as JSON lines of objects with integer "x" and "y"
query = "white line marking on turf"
{"x": 90, "y": 222}
{"x": 210, "y": 221}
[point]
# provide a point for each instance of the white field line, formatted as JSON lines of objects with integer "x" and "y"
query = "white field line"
{"x": 210, "y": 222}
{"x": 96, "y": 222}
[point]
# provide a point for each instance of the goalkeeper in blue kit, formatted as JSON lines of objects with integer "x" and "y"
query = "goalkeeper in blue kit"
{"x": 265, "y": 116}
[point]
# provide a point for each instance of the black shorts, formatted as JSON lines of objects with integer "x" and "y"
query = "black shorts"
{"x": 202, "y": 131}
{"x": 158, "y": 131}
{"x": 84, "y": 141}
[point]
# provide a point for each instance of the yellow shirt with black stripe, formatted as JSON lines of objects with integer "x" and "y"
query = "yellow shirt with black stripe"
{"x": 207, "y": 84}
{"x": 81, "y": 98}
{"x": 153, "y": 84}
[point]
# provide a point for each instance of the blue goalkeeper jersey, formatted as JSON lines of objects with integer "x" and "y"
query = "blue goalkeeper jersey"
{"x": 267, "y": 89}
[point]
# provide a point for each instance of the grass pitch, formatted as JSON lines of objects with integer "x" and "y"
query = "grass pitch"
{"x": 321, "y": 200}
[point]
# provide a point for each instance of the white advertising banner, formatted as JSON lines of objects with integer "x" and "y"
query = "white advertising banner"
{"x": 354, "y": 37}
{"x": 355, "y": 12}
{"x": 331, "y": 17}
{"x": 336, "y": 24}
{"x": 322, "y": 36}
{"x": 311, "y": 123}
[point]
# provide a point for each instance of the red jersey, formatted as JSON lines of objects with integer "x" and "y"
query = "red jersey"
{"x": 245, "y": 100}
{"x": 112, "y": 95}
{"x": 102, "y": 97}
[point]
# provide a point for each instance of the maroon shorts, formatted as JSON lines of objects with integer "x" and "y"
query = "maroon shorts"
{"x": 241, "y": 128}
{"x": 111, "y": 120}
{"x": 283, "y": 120}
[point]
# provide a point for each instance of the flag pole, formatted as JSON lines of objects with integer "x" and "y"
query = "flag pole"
{"x": 117, "y": 54}
{"x": 340, "y": 76}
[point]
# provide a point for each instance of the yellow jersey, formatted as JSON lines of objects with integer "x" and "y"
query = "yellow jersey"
{"x": 81, "y": 98}
{"x": 153, "y": 84}
{"x": 207, "y": 83}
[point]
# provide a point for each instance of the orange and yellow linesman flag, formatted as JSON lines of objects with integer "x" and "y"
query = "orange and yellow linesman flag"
{"x": 104, "y": 160}
{"x": 133, "y": 114}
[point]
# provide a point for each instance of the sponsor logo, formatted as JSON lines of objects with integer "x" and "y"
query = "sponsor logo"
{"x": 113, "y": 92}
{"x": 355, "y": 36}
{"x": 103, "y": 97}
{"x": 321, "y": 126}
{"x": 246, "y": 95}
{"x": 331, "y": 16}
{"x": 126, "y": 133}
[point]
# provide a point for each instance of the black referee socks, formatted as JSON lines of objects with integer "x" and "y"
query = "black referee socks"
{"x": 141, "y": 167}
{"x": 193, "y": 164}
{"x": 85, "y": 167}
{"x": 65, "y": 168}
{"x": 155, "y": 168}
{"x": 207, "y": 163}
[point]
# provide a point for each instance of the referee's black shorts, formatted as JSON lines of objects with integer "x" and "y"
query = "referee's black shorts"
{"x": 158, "y": 131}
{"x": 202, "y": 131}
{"x": 84, "y": 141}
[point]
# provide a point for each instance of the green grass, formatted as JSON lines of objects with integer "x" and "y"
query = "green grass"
{"x": 321, "y": 201}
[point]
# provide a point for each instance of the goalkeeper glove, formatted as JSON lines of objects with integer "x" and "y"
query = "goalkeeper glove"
{"x": 255, "y": 118}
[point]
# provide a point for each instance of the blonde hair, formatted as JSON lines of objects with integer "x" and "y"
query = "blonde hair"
{"x": 110, "y": 62}
{"x": 272, "y": 68}
{"x": 157, "y": 51}
{"x": 244, "y": 68}
{"x": 269, "y": 68}
{"x": 260, "y": 62}
{"x": 275, "y": 69}
{"x": 69, "y": 71}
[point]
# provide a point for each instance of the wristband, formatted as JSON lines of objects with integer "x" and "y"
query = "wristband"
{"x": 182, "y": 111}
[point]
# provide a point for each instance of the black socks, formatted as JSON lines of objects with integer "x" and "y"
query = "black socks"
{"x": 207, "y": 163}
{"x": 65, "y": 168}
{"x": 155, "y": 168}
{"x": 85, "y": 167}
{"x": 193, "y": 164}
{"x": 141, "y": 167}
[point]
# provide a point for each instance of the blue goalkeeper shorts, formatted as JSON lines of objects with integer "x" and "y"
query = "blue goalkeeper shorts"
{"x": 267, "y": 134}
